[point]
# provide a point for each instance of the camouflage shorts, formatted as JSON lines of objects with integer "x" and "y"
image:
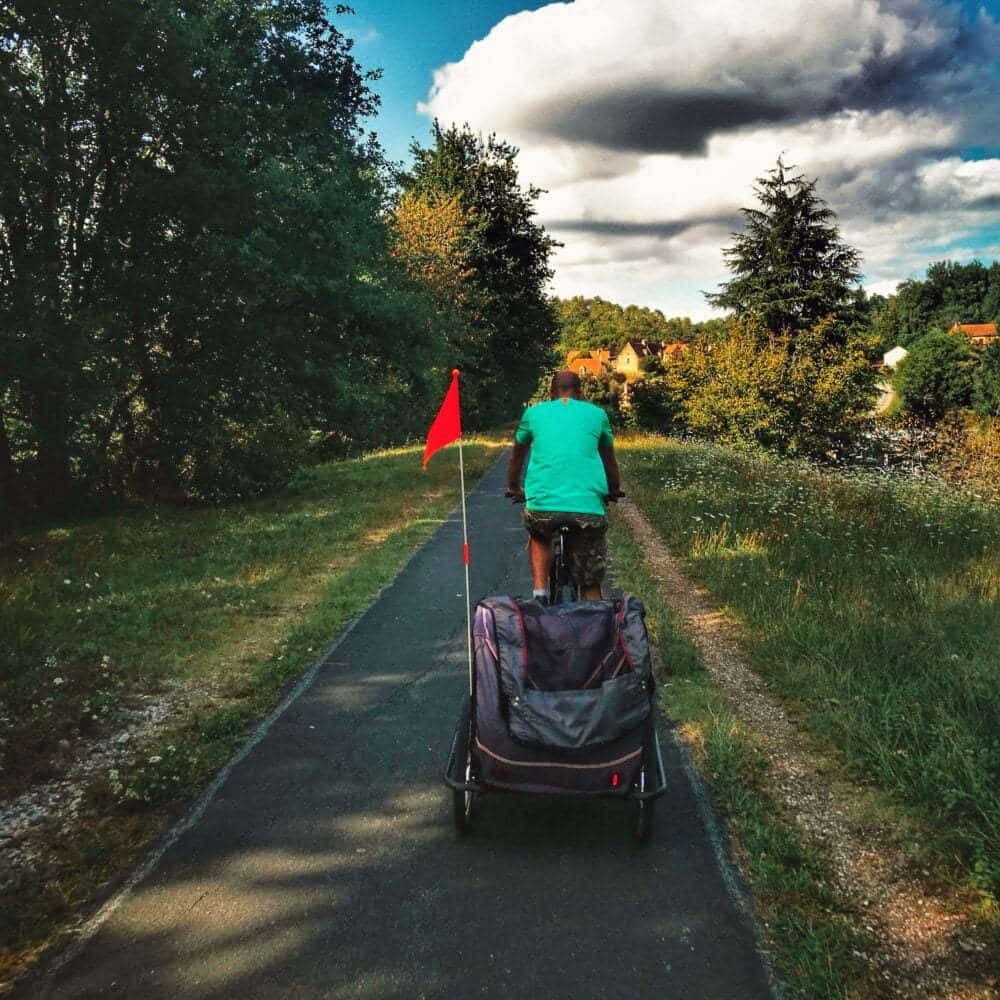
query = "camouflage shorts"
{"x": 586, "y": 546}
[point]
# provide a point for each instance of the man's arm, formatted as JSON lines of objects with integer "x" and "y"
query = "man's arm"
{"x": 607, "y": 453}
{"x": 518, "y": 456}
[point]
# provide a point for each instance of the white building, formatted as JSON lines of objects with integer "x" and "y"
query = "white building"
{"x": 892, "y": 358}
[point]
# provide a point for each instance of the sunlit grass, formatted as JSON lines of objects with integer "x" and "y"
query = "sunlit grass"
{"x": 873, "y": 603}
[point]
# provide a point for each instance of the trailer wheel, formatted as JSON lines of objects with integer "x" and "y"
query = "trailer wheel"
{"x": 644, "y": 810}
{"x": 642, "y": 819}
{"x": 464, "y": 802}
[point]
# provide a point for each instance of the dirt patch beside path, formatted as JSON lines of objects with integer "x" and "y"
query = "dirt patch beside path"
{"x": 925, "y": 943}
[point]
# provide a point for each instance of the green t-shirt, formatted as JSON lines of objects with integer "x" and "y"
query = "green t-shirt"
{"x": 565, "y": 471}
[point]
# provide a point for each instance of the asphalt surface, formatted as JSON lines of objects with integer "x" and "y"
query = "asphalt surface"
{"x": 327, "y": 865}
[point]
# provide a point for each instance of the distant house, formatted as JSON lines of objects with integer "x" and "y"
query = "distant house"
{"x": 674, "y": 350}
{"x": 634, "y": 352}
{"x": 592, "y": 364}
{"x": 979, "y": 334}
{"x": 892, "y": 358}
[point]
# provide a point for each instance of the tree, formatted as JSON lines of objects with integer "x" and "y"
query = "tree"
{"x": 950, "y": 293}
{"x": 936, "y": 376}
{"x": 194, "y": 267}
{"x": 986, "y": 383}
{"x": 791, "y": 269}
{"x": 606, "y": 391}
{"x": 510, "y": 325}
{"x": 659, "y": 400}
{"x": 588, "y": 323}
{"x": 809, "y": 397}
{"x": 433, "y": 236}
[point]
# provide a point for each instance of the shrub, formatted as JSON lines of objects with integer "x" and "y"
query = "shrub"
{"x": 607, "y": 391}
{"x": 658, "y": 401}
{"x": 936, "y": 376}
{"x": 809, "y": 397}
{"x": 986, "y": 383}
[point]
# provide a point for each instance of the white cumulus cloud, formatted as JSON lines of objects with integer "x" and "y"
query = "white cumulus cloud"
{"x": 648, "y": 120}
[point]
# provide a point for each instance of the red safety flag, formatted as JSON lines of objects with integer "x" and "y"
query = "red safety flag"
{"x": 447, "y": 426}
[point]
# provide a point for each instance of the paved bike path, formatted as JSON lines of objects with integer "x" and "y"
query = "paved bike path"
{"x": 326, "y": 866}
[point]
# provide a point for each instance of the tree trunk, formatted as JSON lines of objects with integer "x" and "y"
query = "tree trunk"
{"x": 54, "y": 478}
{"x": 10, "y": 502}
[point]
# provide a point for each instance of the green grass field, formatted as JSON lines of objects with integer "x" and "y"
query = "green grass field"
{"x": 874, "y": 605}
{"x": 207, "y": 613}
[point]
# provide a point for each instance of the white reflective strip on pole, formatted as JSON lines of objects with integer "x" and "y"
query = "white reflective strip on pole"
{"x": 465, "y": 560}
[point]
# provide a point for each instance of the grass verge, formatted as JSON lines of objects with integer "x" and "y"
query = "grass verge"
{"x": 813, "y": 938}
{"x": 873, "y": 604}
{"x": 194, "y": 620}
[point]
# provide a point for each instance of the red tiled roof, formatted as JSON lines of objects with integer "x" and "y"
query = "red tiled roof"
{"x": 587, "y": 366}
{"x": 975, "y": 329}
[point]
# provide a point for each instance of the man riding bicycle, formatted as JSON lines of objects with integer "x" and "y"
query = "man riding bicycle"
{"x": 571, "y": 475}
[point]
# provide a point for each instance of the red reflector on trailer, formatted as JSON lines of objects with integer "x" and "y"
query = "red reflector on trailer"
{"x": 615, "y": 778}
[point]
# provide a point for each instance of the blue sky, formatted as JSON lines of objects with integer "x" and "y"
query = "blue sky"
{"x": 408, "y": 40}
{"x": 647, "y": 121}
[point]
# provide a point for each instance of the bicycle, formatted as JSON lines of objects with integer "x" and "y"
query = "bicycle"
{"x": 560, "y": 577}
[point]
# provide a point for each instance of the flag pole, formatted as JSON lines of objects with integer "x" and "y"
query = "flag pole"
{"x": 447, "y": 427}
{"x": 465, "y": 560}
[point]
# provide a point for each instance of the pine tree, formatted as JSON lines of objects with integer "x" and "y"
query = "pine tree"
{"x": 790, "y": 267}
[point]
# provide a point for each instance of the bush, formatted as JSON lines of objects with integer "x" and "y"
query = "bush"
{"x": 658, "y": 401}
{"x": 607, "y": 391}
{"x": 236, "y": 460}
{"x": 806, "y": 397}
{"x": 966, "y": 451}
{"x": 986, "y": 383}
{"x": 936, "y": 376}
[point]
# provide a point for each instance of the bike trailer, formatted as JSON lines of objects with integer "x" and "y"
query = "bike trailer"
{"x": 561, "y": 702}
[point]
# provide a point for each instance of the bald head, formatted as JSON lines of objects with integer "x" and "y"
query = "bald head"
{"x": 566, "y": 384}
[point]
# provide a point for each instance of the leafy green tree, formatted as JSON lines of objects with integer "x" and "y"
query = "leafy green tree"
{"x": 790, "y": 267}
{"x": 194, "y": 265}
{"x": 936, "y": 376}
{"x": 606, "y": 390}
{"x": 811, "y": 397}
{"x": 659, "y": 399}
{"x": 510, "y": 325}
{"x": 950, "y": 293}
{"x": 986, "y": 383}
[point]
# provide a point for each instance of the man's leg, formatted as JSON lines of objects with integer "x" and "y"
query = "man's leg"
{"x": 539, "y": 528}
{"x": 540, "y": 554}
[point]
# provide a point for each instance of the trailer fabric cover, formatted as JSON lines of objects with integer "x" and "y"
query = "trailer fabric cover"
{"x": 505, "y": 762}
{"x": 573, "y": 676}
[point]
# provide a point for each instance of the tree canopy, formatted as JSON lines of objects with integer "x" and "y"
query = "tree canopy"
{"x": 936, "y": 376}
{"x": 508, "y": 324}
{"x": 586, "y": 324}
{"x": 206, "y": 267}
{"x": 950, "y": 293}
{"x": 791, "y": 270}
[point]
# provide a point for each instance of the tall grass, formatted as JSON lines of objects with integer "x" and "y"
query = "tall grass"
{"x": 873, "y": 603}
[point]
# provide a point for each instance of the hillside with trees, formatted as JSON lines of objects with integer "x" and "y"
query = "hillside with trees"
{"x": 950, "y": 293}
{"x": 586, "y": 324}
